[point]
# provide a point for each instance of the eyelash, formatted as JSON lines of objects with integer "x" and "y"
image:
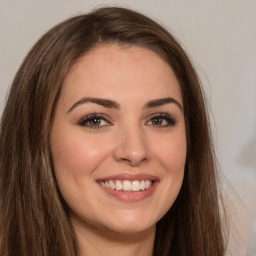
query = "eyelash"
{"x": 170, "y": 121}
{"x": 93, "y": 117}
{"x": 164, "y": 117}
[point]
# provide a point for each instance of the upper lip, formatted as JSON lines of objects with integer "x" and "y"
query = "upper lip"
{"x": 129, "y": 176}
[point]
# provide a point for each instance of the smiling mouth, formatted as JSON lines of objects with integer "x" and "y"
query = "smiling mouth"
{"x": 127, "y": 185}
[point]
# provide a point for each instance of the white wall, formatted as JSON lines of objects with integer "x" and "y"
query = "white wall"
{"x": 220, "y": 37}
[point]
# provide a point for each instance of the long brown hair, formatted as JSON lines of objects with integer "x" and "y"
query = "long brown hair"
{"x": 33, "y": 215}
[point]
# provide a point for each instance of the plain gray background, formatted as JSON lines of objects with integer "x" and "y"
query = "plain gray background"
{"x": 220, "y": 37}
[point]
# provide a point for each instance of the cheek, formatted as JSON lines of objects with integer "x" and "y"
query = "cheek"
{"x": 76, "y": 157}
{"x": 171, "y": 152}
{"x": 75, "y": 154}
{"x": 171, "y": 155}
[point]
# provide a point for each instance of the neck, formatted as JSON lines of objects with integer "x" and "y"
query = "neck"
{"x": 95, "y": 242}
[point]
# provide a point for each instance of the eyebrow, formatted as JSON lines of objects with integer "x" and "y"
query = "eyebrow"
{"x": 113, "y": 104}
{"x": 103, "y": 102}
{"x": 160, "y": 102}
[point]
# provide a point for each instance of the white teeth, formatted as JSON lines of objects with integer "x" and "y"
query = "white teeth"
{"x": 112, "y": 185}
{"x": 107, "y": 185}
{"x": 135, "y": 185}
{"x": 127, "y": 185}
{"x": 119, "y": 185}
{"x": 142, "y": 185}
{"x": 148, "y": 184}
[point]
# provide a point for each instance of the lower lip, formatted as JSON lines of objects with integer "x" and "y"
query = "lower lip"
{"x": 131, "y": 196}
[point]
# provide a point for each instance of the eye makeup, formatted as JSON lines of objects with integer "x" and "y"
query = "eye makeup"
{"x": 99, "y": 120}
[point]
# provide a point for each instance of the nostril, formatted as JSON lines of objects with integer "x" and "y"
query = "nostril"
{"x": 133, "y": 161}
{"x": 132, "y": 150}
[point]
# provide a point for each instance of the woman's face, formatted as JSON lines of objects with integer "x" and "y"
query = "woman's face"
{"x": 118, "y": 139}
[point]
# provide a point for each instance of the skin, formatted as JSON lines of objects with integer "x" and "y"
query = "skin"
{"x": 126, "y": 140}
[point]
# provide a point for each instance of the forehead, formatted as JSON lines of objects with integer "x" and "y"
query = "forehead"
{"x": 111, "y": 71}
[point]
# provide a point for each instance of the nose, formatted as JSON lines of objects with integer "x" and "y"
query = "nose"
{"x": 131, "y": 147}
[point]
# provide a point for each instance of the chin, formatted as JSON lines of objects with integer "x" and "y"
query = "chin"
{"x": 131, "y": 229}
{"x": 131, "y": 224}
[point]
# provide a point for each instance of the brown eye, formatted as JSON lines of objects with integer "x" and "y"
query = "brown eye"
{"x": 161, "y": 120}
{"x": 158, "y": 121}
{"x": 94, "y": 121}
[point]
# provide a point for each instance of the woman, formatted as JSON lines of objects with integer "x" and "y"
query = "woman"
{"x": 105, "y": 145}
